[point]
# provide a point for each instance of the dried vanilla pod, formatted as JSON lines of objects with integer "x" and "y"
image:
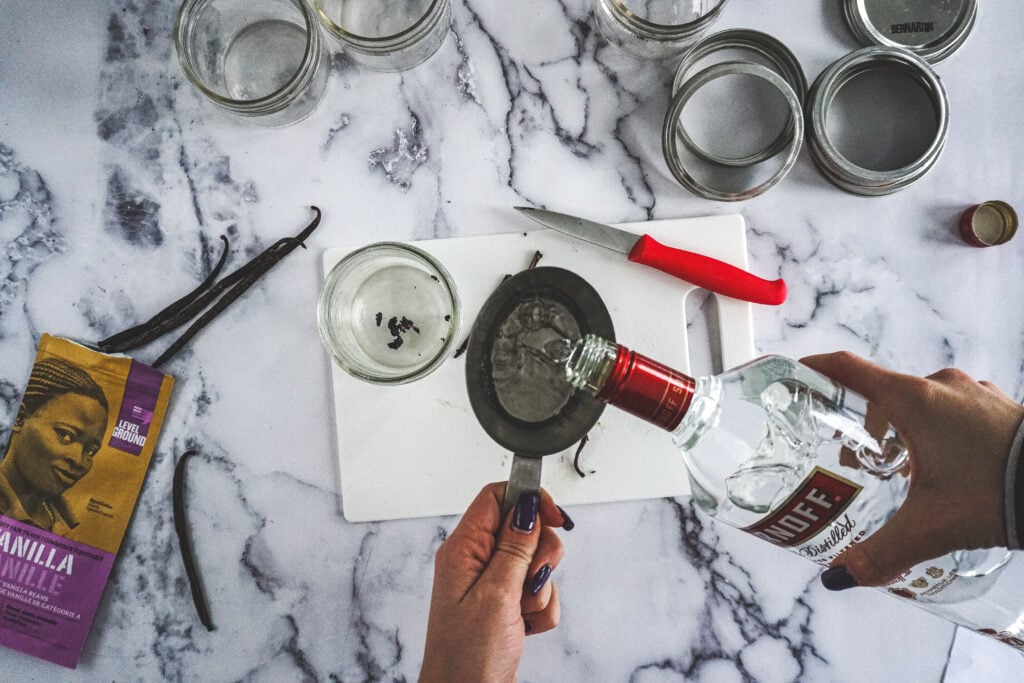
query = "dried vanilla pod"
{"x": 185, "y": 540}
{"x": 124, "y": 340}
{"x": 228, "y": 289}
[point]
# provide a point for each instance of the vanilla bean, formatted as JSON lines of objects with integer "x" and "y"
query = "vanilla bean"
{"x": 185, "y": 540}
{"x": 462, "y": 348}
{"x": 576, "y": 458}
{"x": 186, "y": 313}
{"x": 121, "y": 340}
{"x": 253, "y": 271}
{"x": 537, "y": 256}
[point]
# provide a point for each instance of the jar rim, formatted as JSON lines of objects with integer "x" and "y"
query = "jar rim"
{"x": 655, "y": 31}
{"x": 266, "y": 104}
{"x": 406, "y": 36}
{"x": 349, "y": 362}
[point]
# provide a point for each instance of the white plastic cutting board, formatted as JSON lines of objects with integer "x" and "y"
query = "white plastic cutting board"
{"x": 416, "y": 450}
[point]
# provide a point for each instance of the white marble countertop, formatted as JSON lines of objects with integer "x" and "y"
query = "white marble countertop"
{"x": 116, "y": 180}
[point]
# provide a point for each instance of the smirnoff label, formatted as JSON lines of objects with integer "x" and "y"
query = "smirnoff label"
{"x": 818, "y": 502}
{"x": 813, "y": 522}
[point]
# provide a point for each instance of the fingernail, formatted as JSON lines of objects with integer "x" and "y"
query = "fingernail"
{"x": 525, "y": 516}
{"x": 540, "y": 578}
{"x": 567, "y": 523}
{"x": 528, "y": 626}
{"x": 838, "y": 579}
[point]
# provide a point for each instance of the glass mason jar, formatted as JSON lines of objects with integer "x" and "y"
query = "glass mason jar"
{"x": 387, "y": 35}
{"x": 389, "y": 313}
{"x": 656, "y": 30}
{"x": 265, "y": 60}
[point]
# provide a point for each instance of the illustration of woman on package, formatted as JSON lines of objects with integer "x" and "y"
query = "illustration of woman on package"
{"x": 56, "y": 434}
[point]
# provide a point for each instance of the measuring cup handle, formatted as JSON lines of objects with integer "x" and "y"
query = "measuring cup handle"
{"x": 525, "y": 476}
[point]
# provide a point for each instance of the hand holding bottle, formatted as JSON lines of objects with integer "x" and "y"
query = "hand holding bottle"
{"x": 958, "y": 432}
{"x": 491, "y": 587}
{"x": 802, "y": 456}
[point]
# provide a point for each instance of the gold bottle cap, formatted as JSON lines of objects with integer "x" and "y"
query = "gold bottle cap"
{"x": 988, "y": 224}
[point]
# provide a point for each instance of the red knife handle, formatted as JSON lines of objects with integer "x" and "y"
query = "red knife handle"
{"x": 704, "y": 271}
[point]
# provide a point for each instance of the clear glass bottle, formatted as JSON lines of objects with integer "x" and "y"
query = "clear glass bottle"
{"x": 779, "y": 450}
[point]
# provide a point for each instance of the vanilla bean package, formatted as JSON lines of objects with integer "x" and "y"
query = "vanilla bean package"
{"x": 80, "y": 446}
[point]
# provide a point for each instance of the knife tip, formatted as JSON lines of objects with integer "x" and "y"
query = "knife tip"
{"x": 523, "y": 209}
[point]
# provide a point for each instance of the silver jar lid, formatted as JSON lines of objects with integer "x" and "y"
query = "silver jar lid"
{"x": 932, "y": 29}
{"x": 840, "y": 170}
{"x": 763, "y": 49}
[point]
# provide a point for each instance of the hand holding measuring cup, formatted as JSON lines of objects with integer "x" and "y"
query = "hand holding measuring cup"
{"x": 492, "y": 588}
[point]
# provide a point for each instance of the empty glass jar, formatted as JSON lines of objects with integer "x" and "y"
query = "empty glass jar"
{"x": 655, "y": 30}
{"x": 387, "y": 35}
{"x": 264, "y": 60}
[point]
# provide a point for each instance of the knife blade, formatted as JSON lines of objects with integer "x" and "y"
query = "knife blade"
{"x": 710, "y": 273}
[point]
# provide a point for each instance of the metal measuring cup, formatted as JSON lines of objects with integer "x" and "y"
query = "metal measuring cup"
{"x": 534, "y": 431}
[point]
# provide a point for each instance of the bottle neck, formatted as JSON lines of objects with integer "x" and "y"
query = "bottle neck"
{"x": 629, "y": 381}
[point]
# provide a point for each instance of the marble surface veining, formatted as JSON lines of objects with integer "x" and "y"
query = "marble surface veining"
{"x": 117, "y": 181}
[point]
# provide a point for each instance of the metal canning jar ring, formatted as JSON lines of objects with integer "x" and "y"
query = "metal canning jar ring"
{"x": 836, "y": 167}
{"x": 670, "y": 139}
{"x": 778, "y": 57}
{"x": 377, "y": 39}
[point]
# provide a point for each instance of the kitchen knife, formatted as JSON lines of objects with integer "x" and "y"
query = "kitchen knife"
{"x": 703, "y": 271}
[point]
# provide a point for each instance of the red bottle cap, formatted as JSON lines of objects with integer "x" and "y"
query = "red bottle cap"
{"x": 988, "y": 224}
{"x": 648, "y": 389}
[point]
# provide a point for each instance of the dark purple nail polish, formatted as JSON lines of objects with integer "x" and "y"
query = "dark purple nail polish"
{"x": 567, "y": 523}
{"x": 525, "y": 516}
{"x": 838, "y": 579}
{"x": 539, "y": 579}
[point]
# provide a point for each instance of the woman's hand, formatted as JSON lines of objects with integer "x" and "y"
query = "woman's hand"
{"x": 492, "y": 587}
{"x": 958, "y": 433}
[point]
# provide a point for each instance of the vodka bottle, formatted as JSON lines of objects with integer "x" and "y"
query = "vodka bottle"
{"x": 779, "y": 450}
